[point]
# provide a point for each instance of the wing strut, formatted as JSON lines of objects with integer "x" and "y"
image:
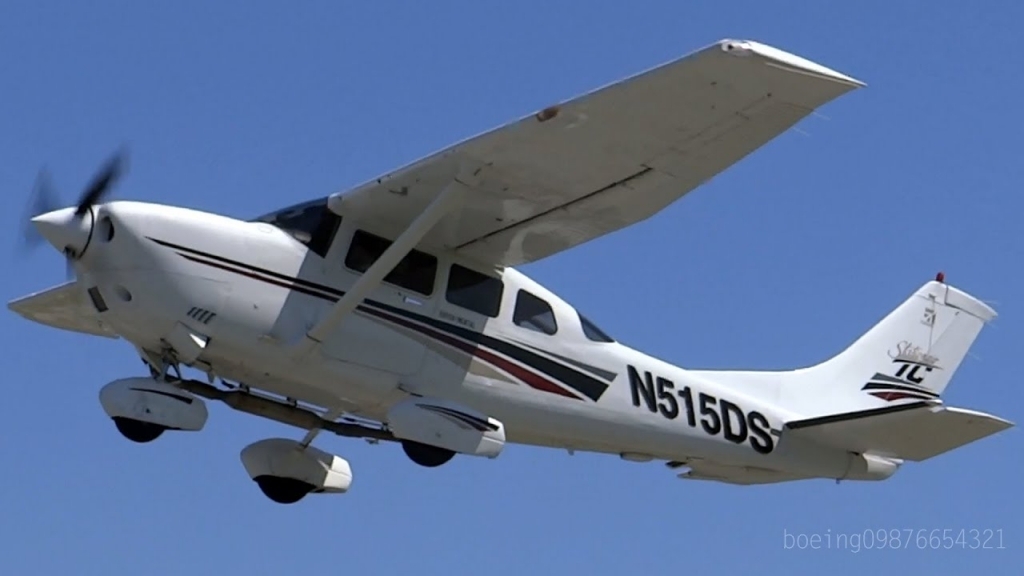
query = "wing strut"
{"x": 443, "y": 203}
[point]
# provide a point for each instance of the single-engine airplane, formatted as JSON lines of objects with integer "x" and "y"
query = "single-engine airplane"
{"x": 394, "y": 311}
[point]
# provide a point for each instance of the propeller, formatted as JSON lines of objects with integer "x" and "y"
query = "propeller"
{"x": 44, "y": 199}
{"x": 102, "y": 183}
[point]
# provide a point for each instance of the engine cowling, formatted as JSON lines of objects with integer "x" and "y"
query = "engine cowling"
{"x": 153, "y": 402}
{"x": 286, "y": 472}
{"x": 447, "y": 425}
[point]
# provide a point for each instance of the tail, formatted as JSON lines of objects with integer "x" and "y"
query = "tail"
{"x": 911, "y": 354}
{"x": 882, "y": 394}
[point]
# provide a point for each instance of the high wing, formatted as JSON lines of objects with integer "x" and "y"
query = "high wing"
{"x": 63, "y": 307}
{"x": 602, "y": 161}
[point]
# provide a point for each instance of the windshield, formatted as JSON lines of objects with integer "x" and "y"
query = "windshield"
{"x": 311, "y": 223}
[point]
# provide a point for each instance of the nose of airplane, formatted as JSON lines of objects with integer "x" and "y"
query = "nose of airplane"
{"x": 64, "y": 230}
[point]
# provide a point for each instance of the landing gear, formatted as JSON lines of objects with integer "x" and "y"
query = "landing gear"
{"x": 425, "y": 454}
{"x": 286, "y": 471}
{"x": 137, "y": 430}
{"x": 143, "y": 408}
{"x": 283, "y": 490}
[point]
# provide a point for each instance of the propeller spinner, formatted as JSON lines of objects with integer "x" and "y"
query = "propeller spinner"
{"x": 69, "y": 229}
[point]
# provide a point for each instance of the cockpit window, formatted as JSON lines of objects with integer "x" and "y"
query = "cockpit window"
{"x": 311, "y": 223}
{"x": 592, "y": 332}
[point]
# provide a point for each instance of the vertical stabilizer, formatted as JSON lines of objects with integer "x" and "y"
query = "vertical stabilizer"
{"x": 911, "y": 354}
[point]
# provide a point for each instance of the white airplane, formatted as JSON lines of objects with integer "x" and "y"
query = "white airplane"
{"x": 393, "y": 311}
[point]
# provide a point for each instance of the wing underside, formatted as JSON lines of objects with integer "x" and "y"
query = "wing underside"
{"x": 63, "y": 307}
{"x": 604, "y": 160}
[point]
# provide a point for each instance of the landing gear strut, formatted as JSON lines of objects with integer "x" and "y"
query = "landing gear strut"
{"x": 425, "y": 454}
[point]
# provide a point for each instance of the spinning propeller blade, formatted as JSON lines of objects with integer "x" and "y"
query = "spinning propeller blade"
{"x": 44, "y": 199}
{"x": 102, "y": 183}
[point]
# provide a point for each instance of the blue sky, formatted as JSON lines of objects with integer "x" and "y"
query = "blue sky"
{"x": 240, "y": 107}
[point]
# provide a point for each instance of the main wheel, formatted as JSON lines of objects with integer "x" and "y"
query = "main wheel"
{"x": 138, "y": 431}
{"x": 425, "y": 454}
{"x": 283, "y": 490}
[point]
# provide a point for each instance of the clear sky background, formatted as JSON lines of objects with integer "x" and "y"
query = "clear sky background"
{"x": 240, "y": 107}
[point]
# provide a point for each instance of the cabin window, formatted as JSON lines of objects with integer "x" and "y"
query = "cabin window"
{"x": 592, "y": 332}
{"x": 534, "y": 313}
{"x": 415, "y": 272}
{"x": 311, "y": 223}
{"x": 474, "y": 291}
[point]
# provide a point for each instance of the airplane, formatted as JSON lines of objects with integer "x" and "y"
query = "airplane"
{"x": 394, "y": 311}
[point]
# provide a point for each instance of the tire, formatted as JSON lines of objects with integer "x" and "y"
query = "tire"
{"x": 426, "y": 455}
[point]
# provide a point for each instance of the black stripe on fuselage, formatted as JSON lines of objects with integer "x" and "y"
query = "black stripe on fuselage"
{"x": 860, "y": 414}
{"x": 900, "y": 387}
{"x": 582, "y": 383}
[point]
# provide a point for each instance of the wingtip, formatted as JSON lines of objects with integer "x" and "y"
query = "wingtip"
{"x": 744, "y": 48}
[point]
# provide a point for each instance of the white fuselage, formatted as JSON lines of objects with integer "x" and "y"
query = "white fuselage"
{"x": 254, "y": 290}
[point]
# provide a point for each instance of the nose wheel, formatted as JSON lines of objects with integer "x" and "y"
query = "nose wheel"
{"x": 286, "y": 471}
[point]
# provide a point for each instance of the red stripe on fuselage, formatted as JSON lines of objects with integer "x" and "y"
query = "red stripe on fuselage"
{"x": 532, "y": 379}
{"x": 890, "y": 396}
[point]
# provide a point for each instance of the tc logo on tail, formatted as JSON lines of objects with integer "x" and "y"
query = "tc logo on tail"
{"x": 912, "y": 365}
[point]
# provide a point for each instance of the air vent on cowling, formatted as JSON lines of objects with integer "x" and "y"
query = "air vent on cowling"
{"x": 201, "y": 314}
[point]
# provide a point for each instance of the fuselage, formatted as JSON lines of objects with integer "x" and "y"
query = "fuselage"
{"x": 437, "y": 326}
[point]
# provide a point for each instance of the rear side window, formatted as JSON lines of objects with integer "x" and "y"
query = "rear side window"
{"x": 415, "y": 272}
{"x": 534, "y": 313}
{"x": 474, "y": 291}
{"x": 592, "y": 332}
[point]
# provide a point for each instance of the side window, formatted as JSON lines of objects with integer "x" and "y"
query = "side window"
{"x": 592, "y": 332}
{"x": 415, "y": 272}
{"x": 474, "y": 291}
{"x": 533, "y": 313}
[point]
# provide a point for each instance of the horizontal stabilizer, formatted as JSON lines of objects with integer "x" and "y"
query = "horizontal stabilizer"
{"x": 914, "y": 431}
